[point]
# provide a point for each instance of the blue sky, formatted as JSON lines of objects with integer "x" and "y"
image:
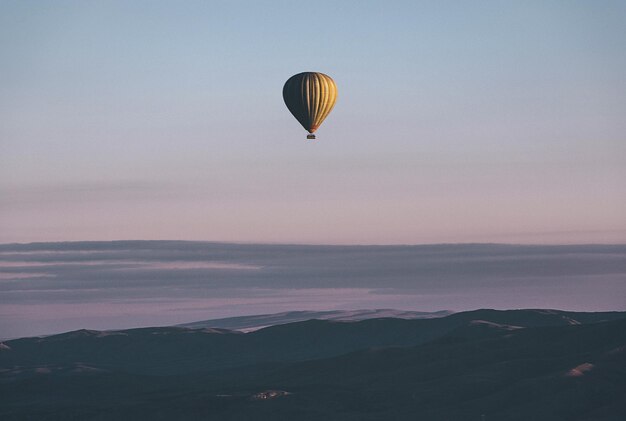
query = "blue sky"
{"x": 456, "y": 121}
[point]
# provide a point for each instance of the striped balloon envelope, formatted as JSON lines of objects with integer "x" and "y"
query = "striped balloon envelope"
{"x": 310, "y": 97}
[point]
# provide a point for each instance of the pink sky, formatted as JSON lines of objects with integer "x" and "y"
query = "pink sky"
{"x": 502, "y": 125}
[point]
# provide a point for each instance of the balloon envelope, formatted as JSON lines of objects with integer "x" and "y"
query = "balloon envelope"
{"x": 310, "y": 96}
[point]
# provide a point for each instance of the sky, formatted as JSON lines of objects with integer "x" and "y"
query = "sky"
{"x": 484, "y": 121}
{"x": 48, "y": 288}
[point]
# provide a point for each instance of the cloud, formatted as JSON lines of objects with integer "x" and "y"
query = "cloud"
{"x": 255, "y": 277}
{"x": 63, "y": 193}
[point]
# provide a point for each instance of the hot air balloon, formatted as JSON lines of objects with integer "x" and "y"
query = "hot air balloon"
{"x": 310, "y": 96}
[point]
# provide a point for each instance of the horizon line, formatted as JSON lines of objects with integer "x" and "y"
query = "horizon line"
{"x": 311, "y": 244}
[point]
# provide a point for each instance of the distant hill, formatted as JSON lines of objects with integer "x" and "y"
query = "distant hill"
{"x": 255, "y": 322}
{"x": 478, "y": 365}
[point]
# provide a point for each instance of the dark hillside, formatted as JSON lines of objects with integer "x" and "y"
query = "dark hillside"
{"x": 502, "y": 365}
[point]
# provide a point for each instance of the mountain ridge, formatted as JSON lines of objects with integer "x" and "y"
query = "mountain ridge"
{"x": 259, "y": 321}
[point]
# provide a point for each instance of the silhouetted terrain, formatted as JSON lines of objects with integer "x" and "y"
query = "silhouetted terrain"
{"x": 484, "y": 364}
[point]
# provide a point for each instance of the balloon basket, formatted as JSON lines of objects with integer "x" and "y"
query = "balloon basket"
{"x": 310, "y": 136}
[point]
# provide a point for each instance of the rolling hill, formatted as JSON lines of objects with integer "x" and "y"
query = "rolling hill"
{"x": 484, "y": 364}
